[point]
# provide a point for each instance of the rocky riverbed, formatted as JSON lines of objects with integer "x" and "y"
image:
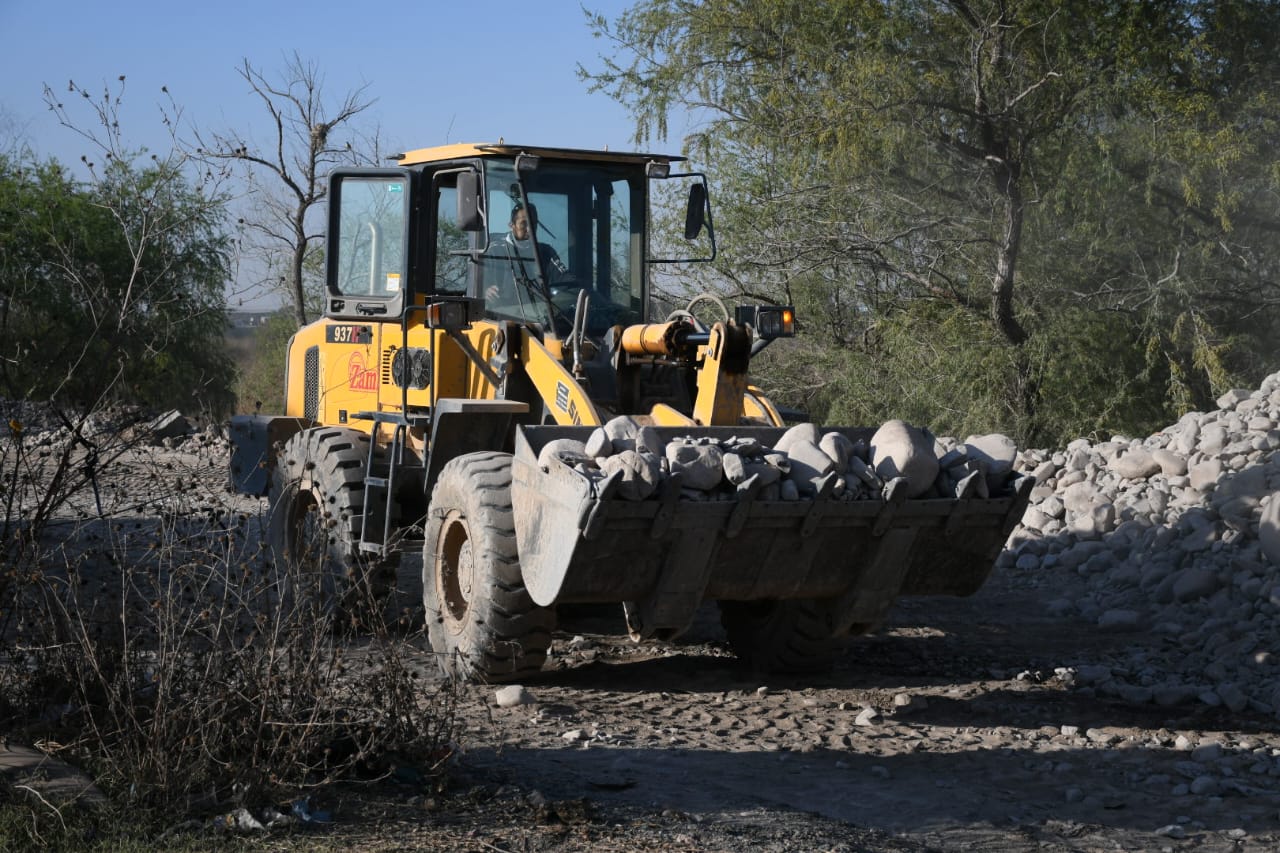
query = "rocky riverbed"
{"x": 1113, "y": 686}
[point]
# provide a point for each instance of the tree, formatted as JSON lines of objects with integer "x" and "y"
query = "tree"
{"x": 287, "y": 175}
{"x": 111, "y": 289}
{"x": 926, "y": 164}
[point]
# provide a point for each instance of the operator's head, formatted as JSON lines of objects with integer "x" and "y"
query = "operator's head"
{"x": 524, "y": 222}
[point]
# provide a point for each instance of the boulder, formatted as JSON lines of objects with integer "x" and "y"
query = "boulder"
{"x": 622, "y": 432}
{"x": 1269, "y": 529}
{"x": 567, "y": 451}
{"x": 641, "y": 473}
{"x": 997, "y": 453}
{"x": 799, "y": 432}
{"x": 599, "y": 444}
{"x": 1205, "y": 475}
{"x": 171, "y": 424}
{"x": 702, "y": 465}
{"x": 1171, "y": 464}
{"x": 808, "y": 463}
{"x": 901, "y": 450}
{"x": 1134, "y": 464}
{"x": 838, "y": 448}
{"x": 1212, "y": 439}
{"x": 1233, "y": 398}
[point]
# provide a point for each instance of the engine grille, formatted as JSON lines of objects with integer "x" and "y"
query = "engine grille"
{"x": 311, "y": 384}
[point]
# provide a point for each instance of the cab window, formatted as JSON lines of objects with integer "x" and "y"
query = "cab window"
{"x": 451, "y": 245}
{"x": 371, "y": 226}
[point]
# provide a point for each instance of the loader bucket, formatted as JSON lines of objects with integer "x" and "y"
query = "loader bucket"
{"x": 578, "y": 542}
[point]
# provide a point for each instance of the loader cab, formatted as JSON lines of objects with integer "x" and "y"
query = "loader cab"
{"x": 559, "y": 231}
{"x": 529, "y": 233}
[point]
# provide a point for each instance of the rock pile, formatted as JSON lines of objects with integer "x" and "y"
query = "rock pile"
{"x": 1176, "y": 534}
{"x": 805, "y": 463}
{"x": 45, "y": 426}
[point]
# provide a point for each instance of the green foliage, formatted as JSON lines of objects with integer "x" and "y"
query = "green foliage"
{"x": 112, "y": 290}
{"x": 1067, "y": 209}
{"x": 928, "y": 363}
{"x": 260, "y": 376}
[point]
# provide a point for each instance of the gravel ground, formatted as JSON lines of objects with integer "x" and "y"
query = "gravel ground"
{"x": 996, "y": 722}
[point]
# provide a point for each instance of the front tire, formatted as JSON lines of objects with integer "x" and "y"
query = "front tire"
{"x": 481, "y": 622}
{"x": 779, "y": 636}
{"x": 317, "y": 512}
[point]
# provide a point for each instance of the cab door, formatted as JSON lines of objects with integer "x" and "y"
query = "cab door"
{"x": 370, "y": 244}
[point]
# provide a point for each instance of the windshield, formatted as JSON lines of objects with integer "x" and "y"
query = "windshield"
{"x": 575, "y": 228}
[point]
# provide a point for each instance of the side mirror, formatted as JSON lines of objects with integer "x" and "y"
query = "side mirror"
{"x": 469, "y": 218}
{"x": 695, "y": 217}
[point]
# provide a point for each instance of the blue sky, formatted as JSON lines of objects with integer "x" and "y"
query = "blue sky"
{"x": 441, "y": 72}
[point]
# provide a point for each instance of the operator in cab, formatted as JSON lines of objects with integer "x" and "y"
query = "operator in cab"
{"x": 519, "y": 245}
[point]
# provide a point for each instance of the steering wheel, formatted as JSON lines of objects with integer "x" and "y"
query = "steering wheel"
{"x": 687, "y": 311}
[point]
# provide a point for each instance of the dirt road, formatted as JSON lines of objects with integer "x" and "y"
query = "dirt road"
{"x": 972, "y": 742}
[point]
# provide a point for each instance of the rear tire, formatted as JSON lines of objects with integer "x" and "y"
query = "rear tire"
{"x": 481, "y": 622}
{"x": 317, "y": 510}
{"x": 779, "y": 636}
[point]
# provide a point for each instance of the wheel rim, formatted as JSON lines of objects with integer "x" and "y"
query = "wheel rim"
{"x": 455, "y": 571}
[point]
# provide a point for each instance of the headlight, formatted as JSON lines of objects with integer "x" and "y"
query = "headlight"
{"x": 769, "y": 321}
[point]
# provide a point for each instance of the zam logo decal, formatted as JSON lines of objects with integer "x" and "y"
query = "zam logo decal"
{"x": 361, "y": 377}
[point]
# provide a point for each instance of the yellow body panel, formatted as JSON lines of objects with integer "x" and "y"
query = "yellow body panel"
{"x": 720, "y": 392}
{"x": 756, "y": 405}
{"x": 354, "y": 374}
{"x": 352, "y": 368}
{"x": 462, "y": 150}
{"x": 346, "y": 373}
{"x": 664, "y": 415}
{"x": 565, "y": 399}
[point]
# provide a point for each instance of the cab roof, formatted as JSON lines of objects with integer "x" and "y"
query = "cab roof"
{"x": 491, "y": 149}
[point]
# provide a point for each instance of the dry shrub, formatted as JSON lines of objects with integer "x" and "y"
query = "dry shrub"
{"x": 160, "y": 651}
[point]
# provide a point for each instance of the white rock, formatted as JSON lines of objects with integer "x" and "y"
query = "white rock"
{"x": 735, "y": 470}
{"x": 702, "y": 465}
{"x": 867, "y": 717}
{"x": 566, "y": 451}
{"x": 1269, "y": 529}
{"x": 808, "y": 463}
{"x": 1212, "y": 439}
{"x": 838, "y": 448}
{"x": 901, "y": 450}
{"x": 1135, "y": 464}
{"x": 512, "y": 695}
{"x": 1233, "y": 398}
{"x": 599, "y": 444}
{"x": 1171, "y": 464}
{"x": 1205, "y": 475}
{"x": 799, "y": 432}
{"x": 622, "y": 431}
{"x": 997, "y": 452}
{"x": 641, "y": 473}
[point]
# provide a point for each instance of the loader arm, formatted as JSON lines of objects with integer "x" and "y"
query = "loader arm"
{"x": 564, "y": 398}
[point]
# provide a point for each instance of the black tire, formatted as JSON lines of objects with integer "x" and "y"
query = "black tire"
{"x": 317, "y": 511}
{"x": 779, "y": 636}
{"x": 481, "y": 622}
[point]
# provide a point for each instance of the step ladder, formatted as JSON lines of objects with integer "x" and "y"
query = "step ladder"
{"x": 383, "y": 477}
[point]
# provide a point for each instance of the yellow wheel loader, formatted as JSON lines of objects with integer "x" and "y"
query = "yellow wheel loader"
{"x": 485, "y": 384}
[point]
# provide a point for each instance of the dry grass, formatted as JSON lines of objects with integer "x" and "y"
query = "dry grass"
{"x": 144, "y": 637}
